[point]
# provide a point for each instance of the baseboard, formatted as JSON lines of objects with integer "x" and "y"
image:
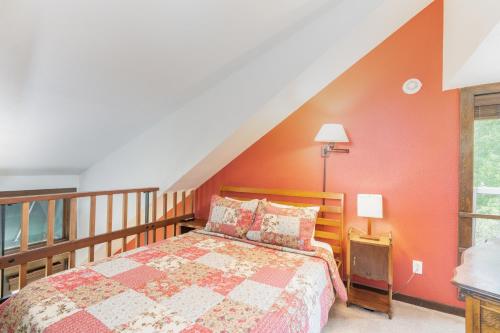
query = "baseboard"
{"x": 419, "y": 302}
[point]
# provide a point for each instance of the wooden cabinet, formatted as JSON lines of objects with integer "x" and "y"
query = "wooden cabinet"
{"x": 370, "y": 258}
{"x": 478, "y": 279}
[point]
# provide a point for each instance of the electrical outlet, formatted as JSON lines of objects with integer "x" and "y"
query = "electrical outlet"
{"x": 418, "y": 267}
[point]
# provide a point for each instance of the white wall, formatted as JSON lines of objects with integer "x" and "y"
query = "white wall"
{"x": 36, "y": 182}
{"x": 471, "y": 43}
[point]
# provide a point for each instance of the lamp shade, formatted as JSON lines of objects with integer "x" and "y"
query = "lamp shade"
{"x": 370, "y": 205}
{"x": 331, "y": 133}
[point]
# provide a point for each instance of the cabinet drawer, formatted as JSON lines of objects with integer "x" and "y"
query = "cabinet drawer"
{"x": 369, "y": 261}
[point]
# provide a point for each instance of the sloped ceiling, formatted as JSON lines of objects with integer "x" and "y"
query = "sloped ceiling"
{"x": 80, "y": 78}
{"x": 471, "y": 43}
{"x": 129, "y": 93}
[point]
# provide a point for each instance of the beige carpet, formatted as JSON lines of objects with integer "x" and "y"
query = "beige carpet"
{"x": 406, "y": 318}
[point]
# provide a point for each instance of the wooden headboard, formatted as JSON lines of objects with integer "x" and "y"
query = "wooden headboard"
{"x": 330, "y": 222}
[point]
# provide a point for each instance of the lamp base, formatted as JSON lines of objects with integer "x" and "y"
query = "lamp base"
{"x": 369, "y": 232}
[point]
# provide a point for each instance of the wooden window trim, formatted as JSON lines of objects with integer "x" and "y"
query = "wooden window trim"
{"x": 466, "y": 163}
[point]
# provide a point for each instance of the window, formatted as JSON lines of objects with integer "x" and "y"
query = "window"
{"x": 38, "y": 223}
{"x": 479, "y": 202}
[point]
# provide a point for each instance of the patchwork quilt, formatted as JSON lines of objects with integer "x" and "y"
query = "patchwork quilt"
{"x": 197, "y": 282}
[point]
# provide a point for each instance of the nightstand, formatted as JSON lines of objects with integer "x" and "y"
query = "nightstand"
{"x": 188, "y": 226}
{"x": 369, "y": 258}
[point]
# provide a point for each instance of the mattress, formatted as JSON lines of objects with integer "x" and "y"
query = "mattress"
{"x": 197, "y": 282}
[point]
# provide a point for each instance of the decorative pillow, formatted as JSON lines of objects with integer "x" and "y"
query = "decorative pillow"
{"x": 231, "y": 217}
{"x": 286, "y": 226}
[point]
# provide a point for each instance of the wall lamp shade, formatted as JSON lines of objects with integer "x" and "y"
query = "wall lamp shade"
{"x": 331, "y": 133}
{"x": 370, "y": 205}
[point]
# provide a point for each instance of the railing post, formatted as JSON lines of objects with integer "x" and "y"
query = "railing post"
{"x": 25, "y": 222}
{"x": 109, "y": 227}
{"x": 146, "y": 217}
{"x": 124, "y": 220}
{"x": 138, "y": 217}
{"x": 175, "y": 212}
{"x": 92, "y": 226}
{"x": 165, "y": 212}
{"x": 153, "y": 212}
{"x": 51, "y": 214}
{"x": 72, "y": 230}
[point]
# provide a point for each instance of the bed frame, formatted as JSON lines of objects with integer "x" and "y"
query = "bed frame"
{"x": 330, "y": 223}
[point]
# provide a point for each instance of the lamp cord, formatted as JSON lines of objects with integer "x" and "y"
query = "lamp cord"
{"x": 404, "y": 285}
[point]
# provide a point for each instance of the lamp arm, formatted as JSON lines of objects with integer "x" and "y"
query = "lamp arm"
{"x": 330, "y": 148}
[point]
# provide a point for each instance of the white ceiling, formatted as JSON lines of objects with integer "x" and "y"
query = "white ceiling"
{"x": 80, "y": 78}
{"x": 471, "y": 43}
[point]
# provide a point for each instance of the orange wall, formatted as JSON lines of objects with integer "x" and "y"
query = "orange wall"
{"x": 403, "y": 146}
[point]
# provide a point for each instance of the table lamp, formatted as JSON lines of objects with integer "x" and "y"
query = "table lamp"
{"x": 370, "y": 206}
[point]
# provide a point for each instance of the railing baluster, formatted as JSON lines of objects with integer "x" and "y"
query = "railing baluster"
{"x": 146, "y": 217}
{"x": 138, "y": 217}
{"x": 72, "y": 230}
{"x": 25, "y": 222}
{"x": 153, "y": 213}
{"x": 165, "y": 212}
{"x": 2, "y": 246}
{"x": 124, "y": 220}
{"x": 175, "y": 211}
{"x": 109, "y": 226}
{"x": 193, "y": 196}
{"x": 92, "y": 226}
{"x": 51, "y": 214}
{"x": 183, "y": 202}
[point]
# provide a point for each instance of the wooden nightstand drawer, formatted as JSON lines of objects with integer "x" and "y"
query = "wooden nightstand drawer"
{"x": 369, "y": 261}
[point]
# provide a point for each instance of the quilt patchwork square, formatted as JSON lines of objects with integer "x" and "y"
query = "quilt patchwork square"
{"x": 70, "y": 280}
{"x": 216, "y": 260}
{"x": 191, "y": 253}
{"x": 182, "y": 302}
{"x": 220, "y": 282}
{"x": 276, "y": 277}
{"x": 255, "y": 294}
{"x": 48, "y": 312}
{"x": 138, "y": 277}
{"x": 117, "y": 266}
{"x": 167, "y": 263}
{"x": 121, "y": 308}
{"x": 157, "y": 319}
{"x": 87, "y": 295}
{"x": 243, "y": 315}
{"x": 79, "y": 322}
{"x": 196, "y": 328}
{"x": 146, "y": 256}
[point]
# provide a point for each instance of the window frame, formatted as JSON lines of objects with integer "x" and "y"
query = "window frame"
{"x": 466, "y": 214}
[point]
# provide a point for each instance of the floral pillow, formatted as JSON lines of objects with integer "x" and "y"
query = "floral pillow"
{"x": 284, "y": 225}
{"x": 231, "y": 217}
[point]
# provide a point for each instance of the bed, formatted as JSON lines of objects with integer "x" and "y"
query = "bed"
{"x": 197, "y": 282}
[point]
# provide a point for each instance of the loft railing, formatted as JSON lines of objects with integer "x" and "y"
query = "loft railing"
{"x": 142, "y": 233}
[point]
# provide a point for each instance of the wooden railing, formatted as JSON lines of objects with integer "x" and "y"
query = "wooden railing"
{"x": 148, "y": 229}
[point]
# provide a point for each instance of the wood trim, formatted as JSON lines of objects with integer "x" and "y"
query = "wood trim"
{"x": 109, "y": 224}
{"x": 327, "y": 235}
{"x": 51, "y": 213}
{"x": 124, "y": 219}
{"x": 417, "y": 301}
{"x": 92, "y": 226}
{"x": 328, "y": 222}
{"x": 72, "y": 230}
{"x": 45, "y": 197}
{"x": 479, "y": 216}
{"x": 153, "y": 213}
{"x": 73, "y": 245}
{"x": 138, "y": 217}
{"x": 7, "y": 194}
{"x": 286, "y": 193}
{"x": 470, "y": 97}
{"x": 25, "y": 222}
